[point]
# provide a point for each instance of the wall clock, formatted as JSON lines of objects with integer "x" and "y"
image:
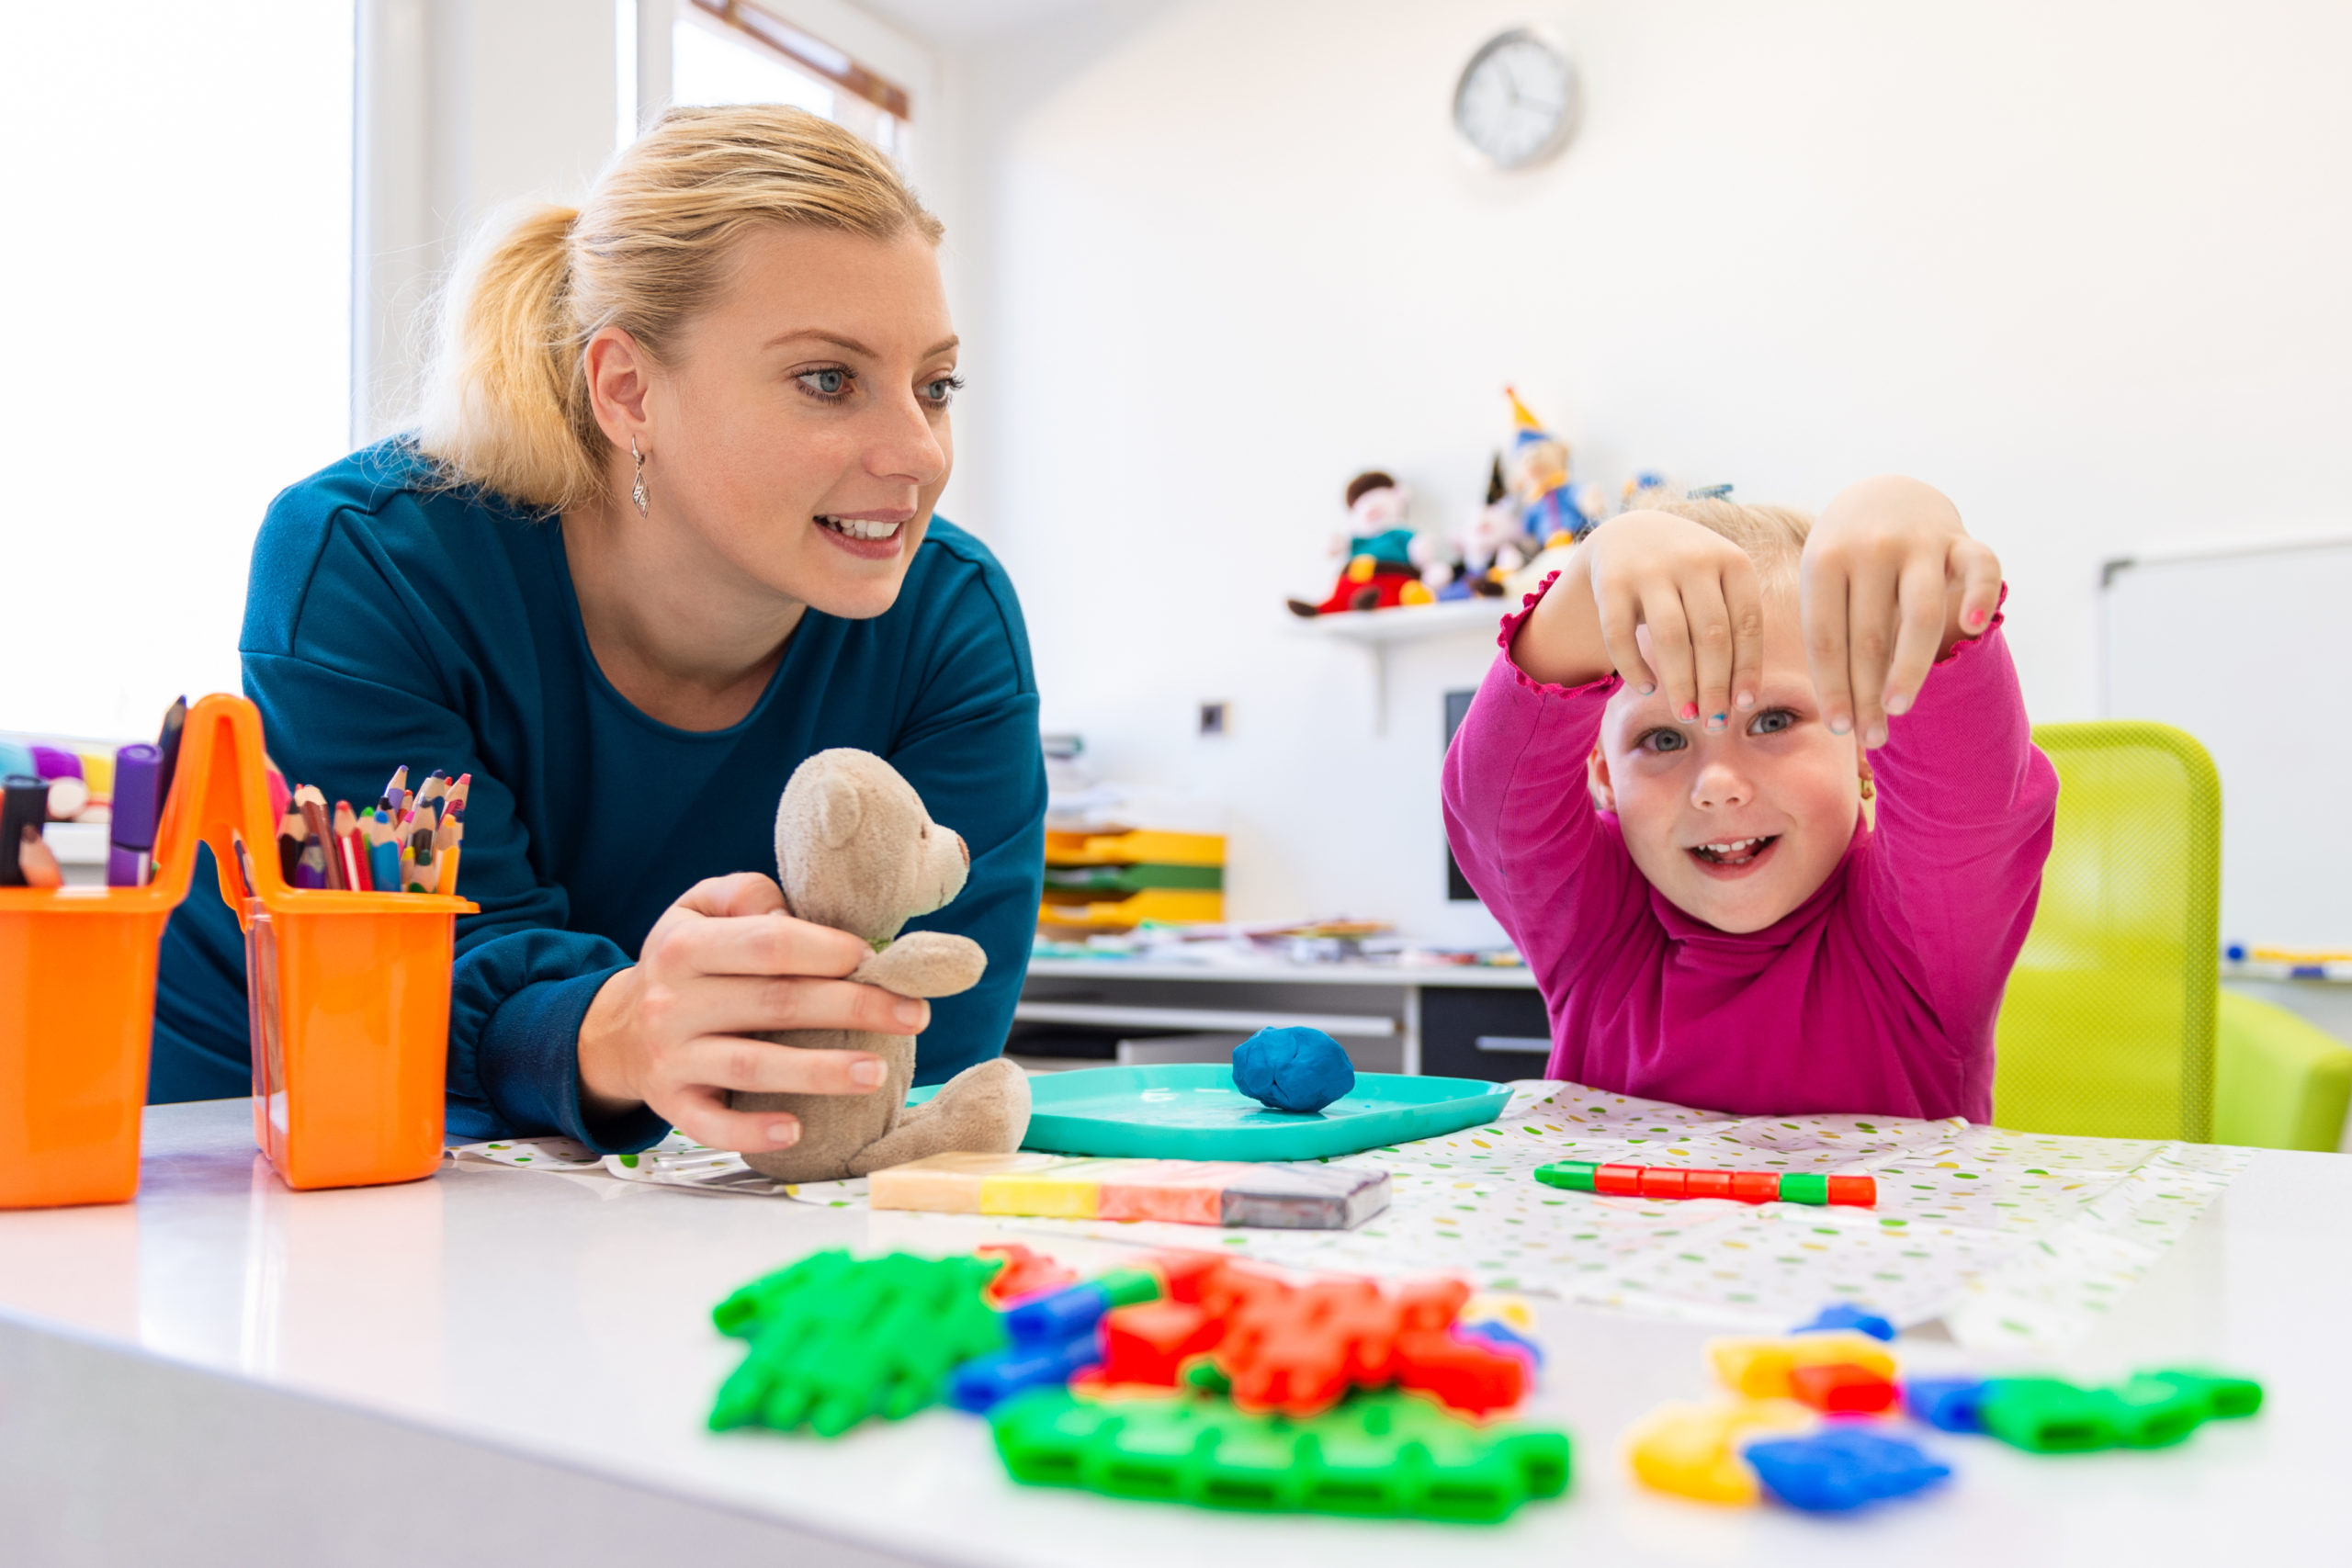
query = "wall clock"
{"x": 1516, "y": 104}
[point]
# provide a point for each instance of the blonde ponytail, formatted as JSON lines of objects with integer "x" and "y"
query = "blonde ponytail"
{"x": 506, "y": 404}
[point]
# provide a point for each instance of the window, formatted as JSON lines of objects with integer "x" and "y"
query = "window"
{"x": 180, "y": 257}
{"x": 730, "y": 52}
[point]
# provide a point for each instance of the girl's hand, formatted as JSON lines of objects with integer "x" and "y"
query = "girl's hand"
{"x": 1889, "y": 582}
{"x": 1693, "y": 594}
{"x": 724, "y": 962}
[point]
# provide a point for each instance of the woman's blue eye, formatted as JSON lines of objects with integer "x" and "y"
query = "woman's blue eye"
{"x": 831, "y": 382}
{"x": 1665, "y": 740}
{"x": 942, "y": 392}
{"x": 1772, "y": 722}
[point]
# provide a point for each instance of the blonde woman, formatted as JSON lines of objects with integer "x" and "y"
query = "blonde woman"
{"x": 663, "y": 530}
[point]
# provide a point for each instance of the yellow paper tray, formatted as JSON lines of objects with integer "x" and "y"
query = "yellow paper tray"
{"x": 1142, "y": 844}
{"x": 1172, "y": 906}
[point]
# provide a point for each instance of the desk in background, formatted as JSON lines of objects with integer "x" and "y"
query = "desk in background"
{"x": 1449, "y": 1020}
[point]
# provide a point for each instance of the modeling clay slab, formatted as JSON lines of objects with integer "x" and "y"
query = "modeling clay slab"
{"x": 1197, "y": 1193}
{"x": 1191, "y": 1111}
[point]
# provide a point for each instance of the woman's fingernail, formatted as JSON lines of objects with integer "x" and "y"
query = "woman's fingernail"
{"x": 866, "y": 1073}
{"x": 1647, "y": 689}
{"x": 784, "y": 1134}
{"x": 1746, "y": 699}
{"x": 907, "y": 1013}
{"x": 1975, "y": 617}
{"x": 1840, "y": 724}
{"x": 1716, "y": 721}
{"x": 1690, "y": 711}
{"x": 1876, "y": 738}
{"x": 1899, "y": 702}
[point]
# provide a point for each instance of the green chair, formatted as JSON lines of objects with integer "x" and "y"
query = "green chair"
{"x": 2110, "y": 1021}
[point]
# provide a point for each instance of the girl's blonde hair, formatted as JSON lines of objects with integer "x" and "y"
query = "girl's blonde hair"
{"x": 507, "y": 403}
{"x": 1772, "y": 537}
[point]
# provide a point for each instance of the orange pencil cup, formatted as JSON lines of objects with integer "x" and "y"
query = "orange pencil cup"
{"x": 77, "y": 1003}
{"x": 349, "y": 998}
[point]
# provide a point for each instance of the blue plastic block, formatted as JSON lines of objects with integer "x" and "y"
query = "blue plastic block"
{"x": 1847, "y": 1316}
{"x": 1502, "y": 1338}
{"x": 980, "y": 1386}
{"x": 1046, "y": 1321}
{"x": 1292, "y": 1069}
{"x": 1841, "y": 1467}
{"x": 1949, "y": 1405}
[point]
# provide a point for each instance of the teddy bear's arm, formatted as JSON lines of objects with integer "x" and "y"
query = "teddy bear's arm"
{"x": 925, "y": 964}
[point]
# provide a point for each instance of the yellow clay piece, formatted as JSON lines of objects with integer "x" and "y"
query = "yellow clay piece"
{"x": 1057, "y": 1195}
{"x": 1692, "y": 1450}
{"x": 948, "y": 1183}
{"x": 1759, "y": 1369}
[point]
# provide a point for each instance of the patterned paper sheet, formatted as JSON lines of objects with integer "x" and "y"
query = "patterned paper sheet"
{"x": 2017, "y": 1241}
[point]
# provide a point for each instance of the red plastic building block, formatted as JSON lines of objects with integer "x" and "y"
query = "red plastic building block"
{"x": 1472, "y": 1378}
{"x": 1148, "y": 1342}
{"x": 1618, "y": 1180}
{"x": 1707, "y": 1184}
{"x": 1860, "y": 1190}
{"x": 1025, "y": 1273}
{"x": 1431, "y": 1303}
{"x": 1660, "y": 1181}
{"x": 1841, "y": 1388}
{"x": 1756, "y": 1186}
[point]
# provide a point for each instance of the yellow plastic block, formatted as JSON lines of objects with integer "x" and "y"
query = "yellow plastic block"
{"x": 948, "y": 1183}
{"x": 1139, "y": 846}
{"x": 1759, "y": 1369}
{"x": 1692, "y": 1450}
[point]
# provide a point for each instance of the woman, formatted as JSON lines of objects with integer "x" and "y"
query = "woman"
{"x": 665, "y": 530}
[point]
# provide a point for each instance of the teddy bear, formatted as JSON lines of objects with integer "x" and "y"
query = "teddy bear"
{"x": 855, "y": 850}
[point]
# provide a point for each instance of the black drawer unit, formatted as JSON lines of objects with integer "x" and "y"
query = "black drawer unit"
{"x": 1483, "y": 1032}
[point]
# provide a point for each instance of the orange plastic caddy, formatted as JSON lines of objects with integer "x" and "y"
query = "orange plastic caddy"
{"x": 349, "y": 998}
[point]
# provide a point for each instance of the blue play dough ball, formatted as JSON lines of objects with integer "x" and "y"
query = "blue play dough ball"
{"x": 1292, "y": 1069}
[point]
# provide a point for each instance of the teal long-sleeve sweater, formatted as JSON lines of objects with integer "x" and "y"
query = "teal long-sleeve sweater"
{"x": 390, "y": 623}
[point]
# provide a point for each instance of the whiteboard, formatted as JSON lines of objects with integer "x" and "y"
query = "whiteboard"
{"x": 2245, "y": 648}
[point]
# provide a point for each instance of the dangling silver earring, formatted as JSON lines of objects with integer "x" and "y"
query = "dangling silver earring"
{"x": 637, "y": 489}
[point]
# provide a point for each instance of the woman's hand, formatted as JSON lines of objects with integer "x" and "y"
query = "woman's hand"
{"x": 724, "y": 962}
{"x": 1693, "y": 596}
{"x": 1889, "y": 581}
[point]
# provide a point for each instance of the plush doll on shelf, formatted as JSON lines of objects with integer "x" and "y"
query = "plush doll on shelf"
{"x": 1493, "y": 544}
{"x": 1554, "y": 506}
{"x": 1380, "y": 571}
{"x": 856, "y": 850}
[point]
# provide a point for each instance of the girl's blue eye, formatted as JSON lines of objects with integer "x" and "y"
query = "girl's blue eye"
{"x": 1662, "y": 741}
{"x": 829, "y": 382}
{"x": 942, "y": 392}
{"x": 1772, "y": 722}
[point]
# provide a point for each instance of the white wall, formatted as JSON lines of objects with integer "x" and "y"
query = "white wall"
{"x": 2082, "y": 265}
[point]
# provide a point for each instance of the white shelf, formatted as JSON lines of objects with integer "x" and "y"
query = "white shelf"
{"x": 1407, "y": 623}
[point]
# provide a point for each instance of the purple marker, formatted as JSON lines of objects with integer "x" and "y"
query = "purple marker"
{"x": 130, "y": 860}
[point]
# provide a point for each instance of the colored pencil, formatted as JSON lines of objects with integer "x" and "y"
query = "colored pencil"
{"x": 394, "y": 790}
{"x": 418, "y": 874}
{"x": 448, "y": 844}
{"x": 383, "y": 851}
{"x": 291, "y": 828}
{"x": 35, "y": 862}
{"x": 314, "y": 813}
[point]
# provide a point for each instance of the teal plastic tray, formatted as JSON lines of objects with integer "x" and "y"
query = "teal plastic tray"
{"x": 1191, "y": 1111}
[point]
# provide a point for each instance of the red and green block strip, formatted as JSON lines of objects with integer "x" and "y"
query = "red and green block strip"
{"x": 1741, "y": 1186}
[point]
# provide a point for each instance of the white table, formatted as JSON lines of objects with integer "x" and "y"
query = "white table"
{"x": 498, "y": 1364}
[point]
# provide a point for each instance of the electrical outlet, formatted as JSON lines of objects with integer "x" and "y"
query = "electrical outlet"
{"x": 1214, "y": 717}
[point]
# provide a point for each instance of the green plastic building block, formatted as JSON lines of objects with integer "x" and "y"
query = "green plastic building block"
{"x": 2151, "y": 1412}
{"x": 1799, "y": 1187}
{"x": 2226, "y": 1398}
{"x": 2044, "y": 1416}
{"x": 1576, "y": 1175}
{"x": 1386, "y": 1454}
{"x": 835, "y": 1339}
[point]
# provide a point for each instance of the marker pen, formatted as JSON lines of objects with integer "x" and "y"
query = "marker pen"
{"x": 130, "y": 858}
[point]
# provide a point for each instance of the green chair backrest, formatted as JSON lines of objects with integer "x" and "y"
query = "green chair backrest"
{"x": 2107, "y": 1026}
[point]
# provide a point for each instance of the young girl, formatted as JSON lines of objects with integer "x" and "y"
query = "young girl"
{"x": 1658, "y": 791}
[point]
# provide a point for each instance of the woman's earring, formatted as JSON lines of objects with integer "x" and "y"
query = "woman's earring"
{"x": 637, "y": 489}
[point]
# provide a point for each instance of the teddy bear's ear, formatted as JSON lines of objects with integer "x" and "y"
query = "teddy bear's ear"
{"x": 838, "y": 810}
